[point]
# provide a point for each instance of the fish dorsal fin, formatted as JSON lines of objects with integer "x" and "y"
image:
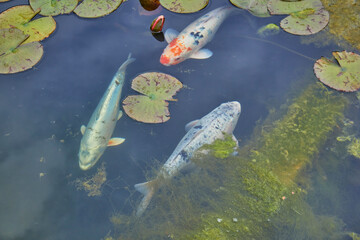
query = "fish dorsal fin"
{"x": 82, "y": 129}
{"x": 115, "y": 141}
{"x": 170, "y": 34}
{"x": 191, "y": 124}
{"x": 120, "y": 115}
{"x": 203, "y": 53}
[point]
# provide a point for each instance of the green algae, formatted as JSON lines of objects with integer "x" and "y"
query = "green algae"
{"x": 259, "y": 187}
{"x": 221, "y": 148}
{"x": 354, "y": 148}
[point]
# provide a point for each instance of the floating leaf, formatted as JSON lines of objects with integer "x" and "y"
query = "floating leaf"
{"x": 54, "y": 7}
{"x": 96, "y": 8}
{"x": 4, "y": 0}
{"x": 20, "y": 16}
{"x": 267, "y": 30}
{"x": 157, "y": 88}
{"x": 184, "y": 6}
{"x": 301, "y": 23}
{"x": 256, "y": 7}
{"x": 150, "y": 5}
{"x": 285, "y": 7}
{"x": 343, "y": 75}
{"x": 15, "y": 58}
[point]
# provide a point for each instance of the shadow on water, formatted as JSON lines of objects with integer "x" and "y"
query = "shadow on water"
{"x": 43, "y": 110}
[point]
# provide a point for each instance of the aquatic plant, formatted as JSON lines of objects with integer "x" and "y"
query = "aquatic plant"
{"x": 344, "y": 27}
{"x": 157, "y": 24}
{"x": 251, "y": 195}
{"x": 221, "y": 148}
{"x": 269, "y": 29}
{"x": 354, "y": 147}
{"x": 92, "y": 185}
{"x": 95, "y": 9}
{"x": 256, "y": 7}
{"x": 150, "y": 5}
{"x": 306, "y": 16}
{"x": 15, "y": 56}
{"x": 20, "y": 17}
{"x": 152, "y": 107}
{"x": 53, "y": 7}
{"x": 184, "y": 6}
{"x": 342, "y": 74}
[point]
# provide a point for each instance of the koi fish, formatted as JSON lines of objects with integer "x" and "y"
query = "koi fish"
{"x": 215, "y": 125}
{"x": 97, "y": 134}
{"x": 189, "y": 43}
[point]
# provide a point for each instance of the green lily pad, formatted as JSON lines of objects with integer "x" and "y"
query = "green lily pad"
{"x": 343, "y": 75}
{"x": 15, "y": 57}
{"x": 302, "y": 23}
{"x": 20, "y": 16}
{"x": 4, "y": 0}
{"x": 285, "y": 7}
{"x": 152, "y": 107}
{"x": 255, "y": 7}
{"x": 96, "y": 8}
{"x": 54, "y": 7}
{"x": 184, "y": 6}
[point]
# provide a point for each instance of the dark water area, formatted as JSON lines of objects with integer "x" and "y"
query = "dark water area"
{"x": 43, "y": 108}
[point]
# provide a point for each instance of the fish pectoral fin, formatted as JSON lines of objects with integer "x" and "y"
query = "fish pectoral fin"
{"x": 236, "y": 141}
{"x": 120, "y": 114}
{"x": 191, "y": 124}
{"x": 115, "y": 141}
{"x": 82, "y": 129}
{"x": 170, "y": 34}
{"x": 203, "y": 53}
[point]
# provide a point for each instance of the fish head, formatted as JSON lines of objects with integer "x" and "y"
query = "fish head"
{"x": 174, "y": 53}
{"x": 88, "y": 157}
{"x": 231, "y": 112}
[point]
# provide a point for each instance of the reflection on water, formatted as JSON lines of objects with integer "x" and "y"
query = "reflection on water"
{"x": 43, "y": 110}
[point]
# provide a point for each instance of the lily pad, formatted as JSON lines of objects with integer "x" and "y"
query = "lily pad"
{"x": 255, "y": 7}
{"x": 96, "y": 8}
{"x": 54, "y": 7}
{"x": 20, "y": 16}
{"x": 305, "y": 22}
{"x": 342, "y": 74}
{"x": 184, "y": 6}
{"x": 285, "y": 7}
{"x": 152, "y": 107}
{"x": 15, "y": 57}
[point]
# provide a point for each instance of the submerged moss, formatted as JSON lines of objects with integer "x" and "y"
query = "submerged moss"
{"x": 257, "y": 188}
{"x": 354, "y": 148}
{"x": 221, "y": 148}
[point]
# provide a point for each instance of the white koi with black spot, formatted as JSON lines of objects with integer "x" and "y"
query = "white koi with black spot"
{"x": 222, "y": 120}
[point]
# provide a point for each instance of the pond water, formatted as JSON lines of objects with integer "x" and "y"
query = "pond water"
{"x": 43, "y": 108}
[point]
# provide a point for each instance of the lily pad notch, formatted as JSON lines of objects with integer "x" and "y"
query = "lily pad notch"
{"x": 152, "y": 107}
{"x": 342, "y": 74}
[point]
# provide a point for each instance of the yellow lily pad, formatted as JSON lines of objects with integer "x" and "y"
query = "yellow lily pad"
{"x": 342, "y": 74}
{"x": 20, "y": 16}
{"x": 96, "y": 8}
{"x": 150, "y": 5}
{"x": 54, "y": 7}
{"x": 184, "y": 6}
{"x": 152, "y": 107}
{"x": 15, "y": 57}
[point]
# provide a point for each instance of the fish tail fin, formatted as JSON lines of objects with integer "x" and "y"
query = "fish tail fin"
{"x": 148, "y": 190}
{"x": 126, "y": 63}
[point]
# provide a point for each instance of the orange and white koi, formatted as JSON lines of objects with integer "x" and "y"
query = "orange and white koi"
{"x": 189, "y": 43}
